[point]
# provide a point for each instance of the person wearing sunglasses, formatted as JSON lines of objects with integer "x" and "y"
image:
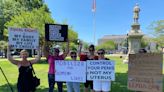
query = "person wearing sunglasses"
{"x": 51, "y": 60}
{"x": 73, "y": 86}
{"x": 101, "y": 86}
{"x": 84, "y": 57}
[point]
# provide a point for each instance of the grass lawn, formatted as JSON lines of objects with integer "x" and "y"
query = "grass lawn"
{"x": 11, "y": 71}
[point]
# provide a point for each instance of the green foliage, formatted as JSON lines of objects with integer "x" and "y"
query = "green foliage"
{"x": 73, "y": 46}
{"x": 72, "y": 35}
{"x": 145, "y": 41}
{"x": 85, "y": 45}
{"x": 158, "y": 31}
{"x": 108, "y": 45}
{"x": 31, "y": 4}
{"x": 3, "y": 45}
{"x": 10, "y": 8}
{"x": 125, "y": 43}
{"x": 35, "y": 19}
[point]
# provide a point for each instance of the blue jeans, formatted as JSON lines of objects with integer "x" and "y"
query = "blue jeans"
{"x": 73, "y": 86}
{"x": 51, "y": 82}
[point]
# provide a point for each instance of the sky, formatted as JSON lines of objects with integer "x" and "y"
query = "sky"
{"x": 112, "y": 17}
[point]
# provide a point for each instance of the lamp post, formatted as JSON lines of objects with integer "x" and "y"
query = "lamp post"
{"x": 127, "y": 52}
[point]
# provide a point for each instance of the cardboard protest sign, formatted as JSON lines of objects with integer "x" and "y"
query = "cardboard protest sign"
{"x": 56, "y": 32}
{"x": 70, "y": 71}
{"x": 145, "y": 72}
{"x": 23, "y": 38}
{"x": 101, "y": 70}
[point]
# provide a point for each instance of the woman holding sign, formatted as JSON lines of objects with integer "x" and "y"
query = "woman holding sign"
{"x": 101, "y": 86}
{"x": 73, "y": 86}
{"x": 25, "y": 70}
{"x": 51, "y": 60}
{"x": 84, "y": 57}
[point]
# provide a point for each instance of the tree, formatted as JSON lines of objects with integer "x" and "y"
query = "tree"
{"x": 72, "y": 35}
{"x": 145, "y": 41}
{"x": 10, "y": 8}
{"x": 3, "y": 47}
{"x": 30, "y": 4}
{"x": 85, "y": 45}
{"x": 35, "y": 19}
{"x": 108, "y": 45}
{"x": 157, "y": 28}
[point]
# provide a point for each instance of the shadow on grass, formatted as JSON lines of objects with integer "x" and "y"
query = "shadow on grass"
{"x": 6, "y": 88}
{"x": 120, "y": 83}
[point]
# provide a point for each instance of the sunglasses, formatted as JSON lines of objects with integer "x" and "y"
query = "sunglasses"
{"x": 73, "y": 56}
{"x": 100, "y": 53}
{"x": 56, "y": 51}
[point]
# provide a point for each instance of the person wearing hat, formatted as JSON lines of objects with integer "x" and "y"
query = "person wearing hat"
{"x": 51, "y": 61}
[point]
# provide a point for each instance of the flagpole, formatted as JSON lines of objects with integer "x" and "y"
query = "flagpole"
{"x": 94, "y": 21}
{"x": 94, "y": 28}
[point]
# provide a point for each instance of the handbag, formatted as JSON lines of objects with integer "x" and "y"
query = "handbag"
{"x": 35, "y": 81}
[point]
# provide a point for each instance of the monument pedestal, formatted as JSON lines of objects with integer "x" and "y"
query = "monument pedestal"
{"x": 134, "y": 40}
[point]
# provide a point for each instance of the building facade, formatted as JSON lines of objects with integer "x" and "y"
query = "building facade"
{"x": 117, "y": 39}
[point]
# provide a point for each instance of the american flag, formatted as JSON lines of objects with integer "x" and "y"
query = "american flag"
{"x": 94, "y": 6}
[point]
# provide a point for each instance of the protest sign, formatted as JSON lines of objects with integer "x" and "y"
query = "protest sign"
{"x": 56, "y": 32}
{"x": 23, "y": 38}
{"x": 145, "y": 72}
{"x": 70, "y": 71}
{"x": 101, "y": 70}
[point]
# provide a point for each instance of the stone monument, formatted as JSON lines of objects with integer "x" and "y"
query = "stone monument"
{"x": 135, "y": 34}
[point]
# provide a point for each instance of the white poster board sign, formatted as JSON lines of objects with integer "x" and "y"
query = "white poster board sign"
{"x": 101, "y": 70}
{"x": 70, "y": 71}
{"x": 23, "y": 38}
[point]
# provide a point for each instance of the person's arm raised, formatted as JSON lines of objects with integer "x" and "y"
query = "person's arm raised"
{"x": 37, "y": 57}
{"x": 9, "y": 57}
{"x": 79, "y": 48}
{"x": 67, "y": 50}
{"x": 46, "y": 49}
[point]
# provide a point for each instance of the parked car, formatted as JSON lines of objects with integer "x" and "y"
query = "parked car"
{"x": 15, "y": 53}
{"x": 1, "y": 53}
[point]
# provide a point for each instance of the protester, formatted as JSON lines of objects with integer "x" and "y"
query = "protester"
{"x": 98, "y": 85}
{"x": 51, "y": 60}
{"x": 73, "y": 86}
{"x": 24, "y": 83}
{"x": 89, "y": 56}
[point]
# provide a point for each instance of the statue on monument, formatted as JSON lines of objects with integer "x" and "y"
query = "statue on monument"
{"x": 136, "y": 11}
